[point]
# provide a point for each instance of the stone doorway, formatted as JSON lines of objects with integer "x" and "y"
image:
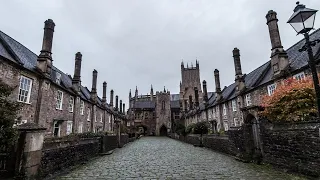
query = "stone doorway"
{"x": 163, "y": 131}
{"x": 252, "y": 135}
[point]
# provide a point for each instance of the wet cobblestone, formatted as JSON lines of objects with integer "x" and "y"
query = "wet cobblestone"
{"x": 165, "y": 158}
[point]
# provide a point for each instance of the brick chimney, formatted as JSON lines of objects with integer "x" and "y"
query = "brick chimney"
{"x": 104, "y": 93}
{"x": 196, "y": 96}
{"x": 111, "y": 98}
{"x": 120, "y": 106}
{"x": 279, "y": 57}
{"x": 76, "y": 80}
{"x": 94, "y": 86}
{"x": 117, "y": 107}
{"x": 237, "y": 66}
{"x": 205, "y": 92}
{"x": 44, "y": 61}
{"x": 124, "y": 108}
{"x": 217, "y": 82}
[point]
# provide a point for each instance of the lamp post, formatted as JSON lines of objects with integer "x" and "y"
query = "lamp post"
{"x": 302, "y": 21}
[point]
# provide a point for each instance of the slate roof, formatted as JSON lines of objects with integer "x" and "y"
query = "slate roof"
{"x": 29, "y": 61}
{"x": 175, "y": 104}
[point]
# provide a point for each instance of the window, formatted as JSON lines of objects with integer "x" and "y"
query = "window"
{"x": 59, "y": 98}
{"x": 299, "y": 76}
{"x": 163, "y": 105}
{"x": 224, "y": 109}
{"x": 100, "y": 117}
{"x": 226, "y": 125}
{"x": 82, "y": 107}
{"x": 128, "y": 123}
{"x": 25, "y": 89}
{"x": 234, "y": 105}
{"x": 58, "y": 77}
{"x": 236, "y": 122}
{"x": 271, "y": 88}
{"x": 109, "y": 119}
{"x": 248, "y": 99}
{"x": 71, "y": 102}
{"x": 95, "y": 117}
{"x": 88, "y": 117}
{"x": 80, "y": 128}
{"x": 213, "y": 113}
{"x": 56, "y": 129}
{"x": 69, "y": 127}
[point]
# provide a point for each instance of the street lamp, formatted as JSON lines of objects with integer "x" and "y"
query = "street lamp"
{"x": 302, "y": 21}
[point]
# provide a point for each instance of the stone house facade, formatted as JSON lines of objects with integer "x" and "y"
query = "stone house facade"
{"x": 50, "y": 97}
{"x": 240, "y": 102}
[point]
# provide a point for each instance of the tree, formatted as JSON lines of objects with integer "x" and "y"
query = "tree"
{"x": 293, "y": 100}
{"x": 8, "y": 115}
{"x": 201, "y": 128}
{"x": 180, "y": 129}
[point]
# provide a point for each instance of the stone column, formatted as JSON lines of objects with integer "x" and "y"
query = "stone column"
{"x": 94, "y": 86}
{"x": 29, "y": 150}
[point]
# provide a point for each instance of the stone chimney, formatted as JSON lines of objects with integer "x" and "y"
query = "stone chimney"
{"x": 279, "y": 57}
{"x": 124, "y": 108}
{"x": 120, "y": 106}
{"x": 196, "y": 96}
{"x": 217, "y": 81}
{"x": 205, "y": 92}
{"x": 237, "y": 66}
{"x": 76, "y": 80}
{"x": 136, "y": 93}
{"x": 104, "y": 93}
{"x": 151, "y": 93}
{"x": 117, "y": 103}
{"x": 94, "y": 86}
{"x": 44, "y": 61}
{"x": 111, "y": 98}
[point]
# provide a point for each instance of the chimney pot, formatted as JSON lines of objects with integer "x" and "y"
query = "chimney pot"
{"x": 111, "y": 98}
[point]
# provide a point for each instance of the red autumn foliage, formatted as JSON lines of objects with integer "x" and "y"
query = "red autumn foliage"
{"x": 293, "y": 100}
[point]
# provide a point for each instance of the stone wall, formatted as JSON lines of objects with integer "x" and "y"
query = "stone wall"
{"x": 108, "y": 143}
{"x": 124, "y": 139}
{"x": 59, "y": 154}
{"x": 295, "y": 147}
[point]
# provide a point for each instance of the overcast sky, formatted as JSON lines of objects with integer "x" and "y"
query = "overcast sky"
{"x": 142, "y": 42}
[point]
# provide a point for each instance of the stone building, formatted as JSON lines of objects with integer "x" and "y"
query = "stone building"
{"x": 156, "y": 114}
{"x": 240, "y": 101}
{"x": 50, "y": 97}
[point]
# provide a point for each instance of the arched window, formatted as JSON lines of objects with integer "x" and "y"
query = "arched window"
{"x": 163, "y": 105}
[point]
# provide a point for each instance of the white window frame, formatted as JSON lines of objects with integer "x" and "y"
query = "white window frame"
{"x": 59, "y": 128}
{"x": 224, "y": 109}
{"x": 214, "y": 112}
{"x": 82, "y": 107}
{"x": 89, "y": 114}
{"x": 234, "y": 105}
{"x": 25, "y": 89}
{"x": 69, "y": 127}
{"x": 300, "y": 76}
{"x": 71, "y": 103}
{"x": 59, "y": 101}
{"x": 128, "y": 124}
{"x": 235, "y": 121}
{"x": 248, "y": 99}
{"x": 271, "y": 88}
{"x": 226, "y": 125}
{"x": 109, "y": 119}
{"x": 80, "y": 128}
{"x": 95, "y": 117}
{"x": 58, "y": 77}
{"x": 101, "y": 118}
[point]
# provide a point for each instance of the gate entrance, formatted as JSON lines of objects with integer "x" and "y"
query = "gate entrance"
{"x": 163, "y": 131}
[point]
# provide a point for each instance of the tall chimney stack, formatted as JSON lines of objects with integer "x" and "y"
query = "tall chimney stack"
{"x": 76, "y": 80}
{"x": 205, "y": 92}
{"x": 237, "y": 66}
{"x": 44, "y": 62}
{"x": 94, "y": 86}
{"x": 279, "y": 57}
{"x": 104, "y": 93}
{"x": 111, "y": 98}
{"x": 120, "y": 106}
{"x": 124, "y": 108}
{"x": 217, "y": 81}
{"x": 117, "y": 103}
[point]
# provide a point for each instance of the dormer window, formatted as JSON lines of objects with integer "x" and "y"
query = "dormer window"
{"x": 58, "y": 77}
{"x": 299, "y": 76}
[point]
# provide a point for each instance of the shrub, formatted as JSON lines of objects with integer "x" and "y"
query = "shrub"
{"x": 8, "y": 115}
{"x": 293, "y": 100}
{"x": 189, "y": 128}
{"x": 201, "y": 128}
{"x": 180, "y": 129}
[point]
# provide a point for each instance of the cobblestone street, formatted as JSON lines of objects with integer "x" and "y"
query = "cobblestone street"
{"x": 165, "y": 158}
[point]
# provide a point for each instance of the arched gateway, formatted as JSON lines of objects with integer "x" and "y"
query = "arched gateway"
{"x": 163, "y": 131}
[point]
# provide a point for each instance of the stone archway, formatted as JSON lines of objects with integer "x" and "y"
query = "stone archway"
{"x": 163, "y": 130}
{"x": 142, "y": 130}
